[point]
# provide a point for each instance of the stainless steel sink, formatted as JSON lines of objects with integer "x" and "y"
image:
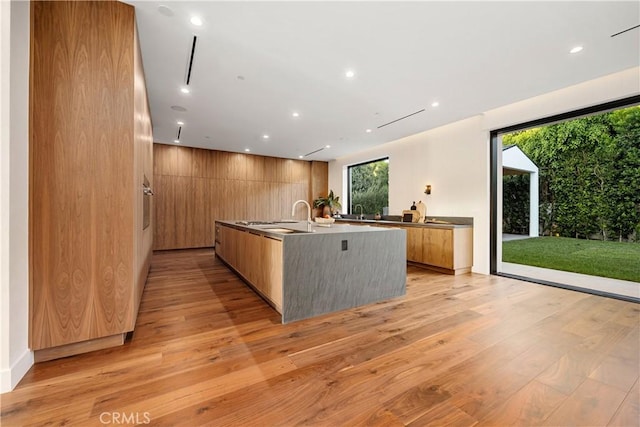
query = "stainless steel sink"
{"x": 283, "y": 230}
{"x": 255, "y": 222}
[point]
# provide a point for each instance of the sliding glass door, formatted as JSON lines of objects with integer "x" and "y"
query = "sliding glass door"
{"x": 566, "y": 200}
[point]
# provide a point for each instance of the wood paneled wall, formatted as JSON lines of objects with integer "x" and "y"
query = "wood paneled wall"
{"x": 319, "y": 179}
{"x": 196, "y": 187}
{"x": 83, "y": 189}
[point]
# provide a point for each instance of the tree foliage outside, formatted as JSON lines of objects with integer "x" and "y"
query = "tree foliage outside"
{"x": 515, "y": 204}
{"x": 370, "y": 186}
{"x": 589, "y": 171}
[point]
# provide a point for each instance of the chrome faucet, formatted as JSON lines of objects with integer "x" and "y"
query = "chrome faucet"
{"x": 361, "y": 211}
{"x": 293, "y": 212}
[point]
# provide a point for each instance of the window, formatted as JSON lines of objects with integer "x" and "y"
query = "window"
{"x": 369, "y": 187}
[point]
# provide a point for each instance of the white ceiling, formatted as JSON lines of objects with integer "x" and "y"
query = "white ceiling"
{"x": 257, "y": 62}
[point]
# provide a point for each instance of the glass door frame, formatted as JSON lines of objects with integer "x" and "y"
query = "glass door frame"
{"x": 494, "y": 160}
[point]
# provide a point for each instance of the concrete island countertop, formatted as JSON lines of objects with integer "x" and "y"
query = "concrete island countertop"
{"x": 299, "y": 228}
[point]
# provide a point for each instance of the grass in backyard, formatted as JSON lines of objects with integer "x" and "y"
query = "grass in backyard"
{"x": 617, "y": 260}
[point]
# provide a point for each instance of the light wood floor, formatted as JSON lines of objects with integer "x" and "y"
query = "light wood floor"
{"x": 464, "y": 350}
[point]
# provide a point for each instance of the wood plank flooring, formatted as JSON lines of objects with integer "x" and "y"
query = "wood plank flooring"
{"x": 457, "y": 350}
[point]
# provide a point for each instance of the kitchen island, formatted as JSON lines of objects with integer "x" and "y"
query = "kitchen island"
{"x": 307, "y": 270}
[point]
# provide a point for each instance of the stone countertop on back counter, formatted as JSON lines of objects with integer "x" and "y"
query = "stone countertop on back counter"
{"x": 447, "y": 225}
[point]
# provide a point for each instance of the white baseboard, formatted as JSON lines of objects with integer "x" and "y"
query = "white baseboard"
{"x": 9, "y": 378}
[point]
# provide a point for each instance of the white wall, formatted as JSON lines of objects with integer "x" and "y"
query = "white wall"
{"x": 5, "y": 9}
{"x": 454, "y": 159}
{"x": 607, "y": 88}
{"x": 15, "y": 356}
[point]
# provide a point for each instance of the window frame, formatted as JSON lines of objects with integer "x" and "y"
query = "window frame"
{"x": 381, "y": 159}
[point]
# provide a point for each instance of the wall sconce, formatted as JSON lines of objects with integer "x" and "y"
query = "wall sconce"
{"x": 427, "y": 189}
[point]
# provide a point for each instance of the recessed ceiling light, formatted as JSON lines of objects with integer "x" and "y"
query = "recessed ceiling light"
{"x": 180, "y": 123}
{"x": 247, "y": 149}
{"x": 435, "y": 104}
{"x": 265, "y": 136}
{"x": 368, "y": 131}
{"x": 327, "y": 146}
{"x": 300, "y": 157}
{"x": 576, "y": 49}
{"x": 185, "y": 90}
{"x": 350, "y": 74}
{"x": 295, "y": 114}
{"x": 196, "y": 21}
{"x": 177, "y": 141}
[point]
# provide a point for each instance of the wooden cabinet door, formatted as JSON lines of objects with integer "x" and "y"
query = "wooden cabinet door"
{"x": 88, "y": 248}
{"x": 230, "y": 243}
{"x": 414, "y": 244}
{"x": 221, "y": 231}
{"x": 257, "y": 258}
{"x": 270, "y": 275}
{"x": 251, "y": 261}
{"x": 437, "y": 247}
{"x": 242, "y": 239}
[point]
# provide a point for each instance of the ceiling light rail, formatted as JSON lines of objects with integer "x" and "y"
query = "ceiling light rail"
{"x": 401, "y": 118}
{"x": 624, "y": 31}
{"x": 314, "y": 152}
{"x": 191, "y": 56}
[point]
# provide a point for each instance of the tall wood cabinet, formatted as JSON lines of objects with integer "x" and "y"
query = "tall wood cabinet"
{"x": 91, "y": 149}
{"x": 195, "y": 187}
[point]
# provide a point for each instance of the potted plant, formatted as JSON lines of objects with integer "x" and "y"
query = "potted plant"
{"x": 329, "y": 204}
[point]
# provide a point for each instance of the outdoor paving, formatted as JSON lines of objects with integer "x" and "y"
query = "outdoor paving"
{"x": 509, "y": 237}
{"x": 604, "y": 284}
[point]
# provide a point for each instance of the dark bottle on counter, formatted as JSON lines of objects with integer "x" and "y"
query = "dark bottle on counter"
{"x": 414, "y": 207}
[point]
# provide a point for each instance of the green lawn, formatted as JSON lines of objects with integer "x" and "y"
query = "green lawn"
{"x": 594, "y": 257}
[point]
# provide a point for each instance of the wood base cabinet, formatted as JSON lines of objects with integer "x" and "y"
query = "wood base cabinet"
{"x": 257, "y": 258}
{"x": 414, "y": 244}
{"x": 90, "y": 153}
{"x": 445, "y": 249}
{"x": 450, "y": 249}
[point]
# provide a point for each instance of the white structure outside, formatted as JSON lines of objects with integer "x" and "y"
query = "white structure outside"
{"x": 515, "y": 162}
